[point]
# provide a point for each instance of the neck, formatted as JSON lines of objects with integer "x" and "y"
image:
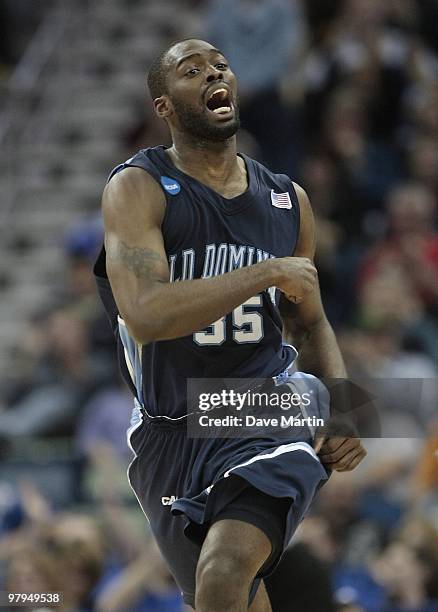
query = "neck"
{"x": 216, "y": 160}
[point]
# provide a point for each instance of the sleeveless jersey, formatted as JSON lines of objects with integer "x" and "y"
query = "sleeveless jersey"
{"x": 207, "y": 235}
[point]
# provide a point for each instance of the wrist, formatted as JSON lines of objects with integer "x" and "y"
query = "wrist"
{"x": 273, "y": 272}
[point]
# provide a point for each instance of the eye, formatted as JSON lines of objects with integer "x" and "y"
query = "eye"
{"x": 192, "y": 72}
{"x": 221, "y": 66}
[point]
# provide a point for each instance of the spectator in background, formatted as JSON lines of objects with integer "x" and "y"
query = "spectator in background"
{"x": 77, "y": 545}
{"x": 378, "y": 570}
{"x": 365, "y": 46}
{"x": 81, "y": 246}
{"x": 145, "y": 585}
{"x": 33, "y": 569}
{"x": 105, "y": 418}
{"x": 409, "y": 576}
{"x": 397, "y": 281}
{"x": 339, "y": 249}
{"x": 366, "y": 167}
{"x": 68, "y": 351}
{"x": 400, "y": 579}
{"x": 63, "y": 555}
{"x": 423, "y": 161}
{"x": 65, "y": 375}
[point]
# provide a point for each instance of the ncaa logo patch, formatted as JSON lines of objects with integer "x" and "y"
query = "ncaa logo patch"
{"x": 170, "y": 185}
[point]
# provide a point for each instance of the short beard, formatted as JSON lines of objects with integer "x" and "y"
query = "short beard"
{"x": 197, "y": 124}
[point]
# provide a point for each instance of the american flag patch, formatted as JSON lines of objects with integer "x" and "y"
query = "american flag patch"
{"x": 280, "y": 200}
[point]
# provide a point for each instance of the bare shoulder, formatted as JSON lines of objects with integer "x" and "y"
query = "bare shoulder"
{"x": 303, "y": 199}
{"x": 307, "y": 239}
{"x": 133, "y": 193}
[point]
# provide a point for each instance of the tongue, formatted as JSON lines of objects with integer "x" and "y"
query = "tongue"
{"x": 222, "y": 109}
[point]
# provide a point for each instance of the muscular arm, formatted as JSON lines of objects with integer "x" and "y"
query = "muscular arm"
{"x": 305, "y": 324}
{"x": 307, "y": 327}
{"x": 154, "y": 308}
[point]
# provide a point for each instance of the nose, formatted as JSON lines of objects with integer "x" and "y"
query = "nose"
{"x": 213, "y": 74}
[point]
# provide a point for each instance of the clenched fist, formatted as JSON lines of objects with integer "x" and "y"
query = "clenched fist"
{"x": 339, "y": 453}
{"x": 295, "y": 277}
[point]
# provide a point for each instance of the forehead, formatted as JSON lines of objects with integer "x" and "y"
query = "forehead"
{"x": 188, "y": 47}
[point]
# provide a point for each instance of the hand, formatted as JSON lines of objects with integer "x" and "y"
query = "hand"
{"x": 340, "y": 454}
{"x": 295, "y": 276}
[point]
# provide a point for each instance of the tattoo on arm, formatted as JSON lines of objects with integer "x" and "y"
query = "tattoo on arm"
{"x": 143, "y": 262}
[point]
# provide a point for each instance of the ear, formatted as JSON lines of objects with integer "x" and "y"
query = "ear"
{"x": 163, "y": 106}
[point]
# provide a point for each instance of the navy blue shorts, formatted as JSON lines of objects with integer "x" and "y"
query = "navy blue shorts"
{"x": 185, "y": 484}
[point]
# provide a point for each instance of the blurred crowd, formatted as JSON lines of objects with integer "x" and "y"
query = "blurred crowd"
{"x": 343, "y": 97}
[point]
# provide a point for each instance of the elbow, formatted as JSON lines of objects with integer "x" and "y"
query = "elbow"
{"x": 146, "y": 320}
{"x": 141, "y": 335}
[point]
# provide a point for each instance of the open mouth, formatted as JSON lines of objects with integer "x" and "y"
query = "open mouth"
{"x": 219, "y": 102}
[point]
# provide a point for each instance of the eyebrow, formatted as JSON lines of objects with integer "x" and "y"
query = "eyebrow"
{"x": 196, "y": 53}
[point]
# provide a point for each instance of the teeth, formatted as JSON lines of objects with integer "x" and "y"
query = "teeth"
{"x": 218, "y": 91}
{"x": 222, "y": 109}
{"x": 219, "y": 94}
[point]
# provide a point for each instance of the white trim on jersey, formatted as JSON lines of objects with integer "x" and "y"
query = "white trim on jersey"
{"x": 129, "y": 435}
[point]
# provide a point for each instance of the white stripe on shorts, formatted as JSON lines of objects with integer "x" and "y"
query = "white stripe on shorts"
{"x": 280, "y": 450}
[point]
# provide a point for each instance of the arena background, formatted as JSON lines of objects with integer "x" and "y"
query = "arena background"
{"x": 341, "y": 95}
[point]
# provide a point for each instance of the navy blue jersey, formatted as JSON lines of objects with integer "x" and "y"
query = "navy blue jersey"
{"x": 206, "y": 235}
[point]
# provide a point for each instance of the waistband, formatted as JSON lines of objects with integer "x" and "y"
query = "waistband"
{"x": 163, "y": 421}
{"x": 181, "y": 422}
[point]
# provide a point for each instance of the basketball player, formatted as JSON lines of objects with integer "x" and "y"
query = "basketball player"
{"x": 196, "y": 237}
